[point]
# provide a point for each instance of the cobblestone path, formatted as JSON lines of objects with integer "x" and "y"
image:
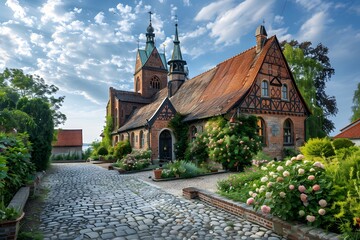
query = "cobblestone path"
{"x": 90, "y": 202}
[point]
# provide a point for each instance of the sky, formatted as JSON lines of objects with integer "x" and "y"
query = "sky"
{"x": 84, "y": 47}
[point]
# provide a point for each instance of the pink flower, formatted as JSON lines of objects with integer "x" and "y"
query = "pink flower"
{"x": 310, "y": 218}
{"x": 265, "y": 209}
{"x": 254, "y": 195}
{"x": 311, "y": 177}
{"x": 316, "y": 187}
{"x": 300, "y": 157}
{"x": 303, "y": 197}
{"x": 319, "y": 165}
{"x": 291, "y": 187}
{"x": 322, "y": 212}
{"x": 250, "y": 201}
{"x": 322, "y": 203}
{"x": 302, "y": 188}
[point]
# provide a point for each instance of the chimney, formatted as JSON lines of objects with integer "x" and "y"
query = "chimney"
{"x": 261, "y": 37}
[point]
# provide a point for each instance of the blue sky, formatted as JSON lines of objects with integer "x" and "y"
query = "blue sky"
{"x": 84, "y": 47}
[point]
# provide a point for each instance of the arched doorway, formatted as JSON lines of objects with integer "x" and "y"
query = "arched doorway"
{"x": 165, "y": 145}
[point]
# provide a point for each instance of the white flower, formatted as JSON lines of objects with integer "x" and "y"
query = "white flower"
{"x": 312, "y": 170}
{"x": 286, "y": 174}
{"x": 282, "y": 194}
{"x": 279, "y": 168}
{"x": 264, "y": 168}
{"x": 301, "y": 171}
{"x": 288, "y": 163}
{"x": 251, "y": 193}
{"x": 268, "y": 194}
{"x": 264, "y": 179}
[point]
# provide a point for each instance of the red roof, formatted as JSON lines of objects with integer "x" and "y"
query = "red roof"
{"x": 69, "y": 138}
{"x": 351, "y": 131}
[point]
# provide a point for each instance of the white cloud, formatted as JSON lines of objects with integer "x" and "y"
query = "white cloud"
{"x": 313, "y": 28}
{"x": 186, "y": 3}
{"x": 52, "y": 12}
{"x": 19, "y": 12}
{"x": 11, "y": 41}
{"x": 231, "y": 24}
{"x": 37, "y": 39}
{"x": 309, "y": 4}
{"x": 279, "y": 20}
{"x": 77, "y": 10}
{"x": 99, "y": 18}
{"x": 213, "y": 9}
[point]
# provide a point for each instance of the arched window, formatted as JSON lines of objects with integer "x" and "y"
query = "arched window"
{"x": 116, "y": 139}
{"x": 142, "y": 139}
{"x": 284, "y": 92}
{"x": 193, "y": 133}
{"x": 132, "y": 140}
{"x": 137, "y": 84}
{"x": 155, "y": 82}
{"x": 122, "y": 137}
{"x": 261, "y": 130}
{"x": 288, "y": 132}
{"x": 264, "y": 88}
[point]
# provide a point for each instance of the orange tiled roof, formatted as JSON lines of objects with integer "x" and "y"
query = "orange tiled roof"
{"x": 211, "y": 93}
{"x": 351, "y": 131}
{"x": 69, "y": 138}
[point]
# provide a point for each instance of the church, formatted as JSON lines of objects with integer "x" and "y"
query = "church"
{"x": 257, "y": 81}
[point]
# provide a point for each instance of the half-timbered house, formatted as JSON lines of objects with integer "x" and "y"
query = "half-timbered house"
{"x": 257, "y": 81}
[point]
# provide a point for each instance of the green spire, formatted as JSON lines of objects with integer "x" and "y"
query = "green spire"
{"x": 150, "y": 35}
{"x": 176, "y": 55}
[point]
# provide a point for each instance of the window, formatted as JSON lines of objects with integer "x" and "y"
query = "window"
{"x": 132, "y": 140}
{"x": 137, "y": 84}
{"x": 284, "y": 92}
{"x": 264, "y": 88}
{"x": 288, "y": 132}
{"x": 155, "y": 82}
{"x": 142, "y": 139}
{"x": 193, "y": 133}
{"x": 122, "y": 137}
{"x": 261, "y": 130}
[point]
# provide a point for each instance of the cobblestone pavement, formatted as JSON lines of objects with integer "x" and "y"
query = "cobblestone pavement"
{"x": 90, "y": 202}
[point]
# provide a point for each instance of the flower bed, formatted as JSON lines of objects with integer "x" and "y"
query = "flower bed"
{"x": 135, "y": 161}
{"x": 311, "y": 192}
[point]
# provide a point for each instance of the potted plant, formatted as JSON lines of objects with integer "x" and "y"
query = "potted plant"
{"x": 157, "y": 173}
{"x": 9, "y": 222}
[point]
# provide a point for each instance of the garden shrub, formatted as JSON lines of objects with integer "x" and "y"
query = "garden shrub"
{"x": 197, "y": 150}
{"x": 181, "y": 168}
{"x": 233, "y": 144}
{"x": 289, "y": 152}
{"x": 180, "y": 130}
{"x": 102, "y": 151}
{"x": 317, "y": 147}
{"x": 136, "y": 160}
{"x": 340, "y": 143}
{"x": 121, "y": 149}
{"x": 18, "y": 169}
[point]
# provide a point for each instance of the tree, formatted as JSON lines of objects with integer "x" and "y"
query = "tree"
{"x": 356, "y": 104}
{"x": 321, "y": 73}
{"x": 32, "y": 86}
{"x": 106, "y": 140}
{"x": 41, "y": 135}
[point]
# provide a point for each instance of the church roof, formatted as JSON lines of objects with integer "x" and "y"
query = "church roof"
{"x": 144, "y": 56}
{"x": 126, "y": 96}
{"x": 351, "y": 131}
{"x": 211, "y": 93}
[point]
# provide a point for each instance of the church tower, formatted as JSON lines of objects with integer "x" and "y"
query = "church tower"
{"x": 150, "y": 68}
{"x": 178, "y": 71}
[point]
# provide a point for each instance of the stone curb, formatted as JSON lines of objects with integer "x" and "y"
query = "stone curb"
{"x": 294, "y": 231}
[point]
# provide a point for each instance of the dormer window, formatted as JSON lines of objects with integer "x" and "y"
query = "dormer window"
{"x": 264, "y": 88}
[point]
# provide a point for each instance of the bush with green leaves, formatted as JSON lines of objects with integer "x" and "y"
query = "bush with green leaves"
{"x": 136, "y": 160}
{"x": 121, "y": 149}
{"x": 180, "y": 130}
{"x": 340, "y": 143}
{"x": 15, "y": 152}
{"x": 102, "y": 151}
{"x": 318, "y": 148}
{"x": 181, "y": 168}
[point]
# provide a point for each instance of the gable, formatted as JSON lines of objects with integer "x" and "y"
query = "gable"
{"x": 154, "y": 60}
{"x": 165, "y": 112}
{"x": 351, "y": 131}
{"x": 275, "y": 71}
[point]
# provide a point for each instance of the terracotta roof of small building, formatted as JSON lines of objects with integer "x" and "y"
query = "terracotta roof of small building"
{"x": 351, "y": 131}
{"x": 212, "y": 93}
{"x": 69, "y": 138}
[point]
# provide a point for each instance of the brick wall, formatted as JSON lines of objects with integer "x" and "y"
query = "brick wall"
{"x": 293, "y": 231}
